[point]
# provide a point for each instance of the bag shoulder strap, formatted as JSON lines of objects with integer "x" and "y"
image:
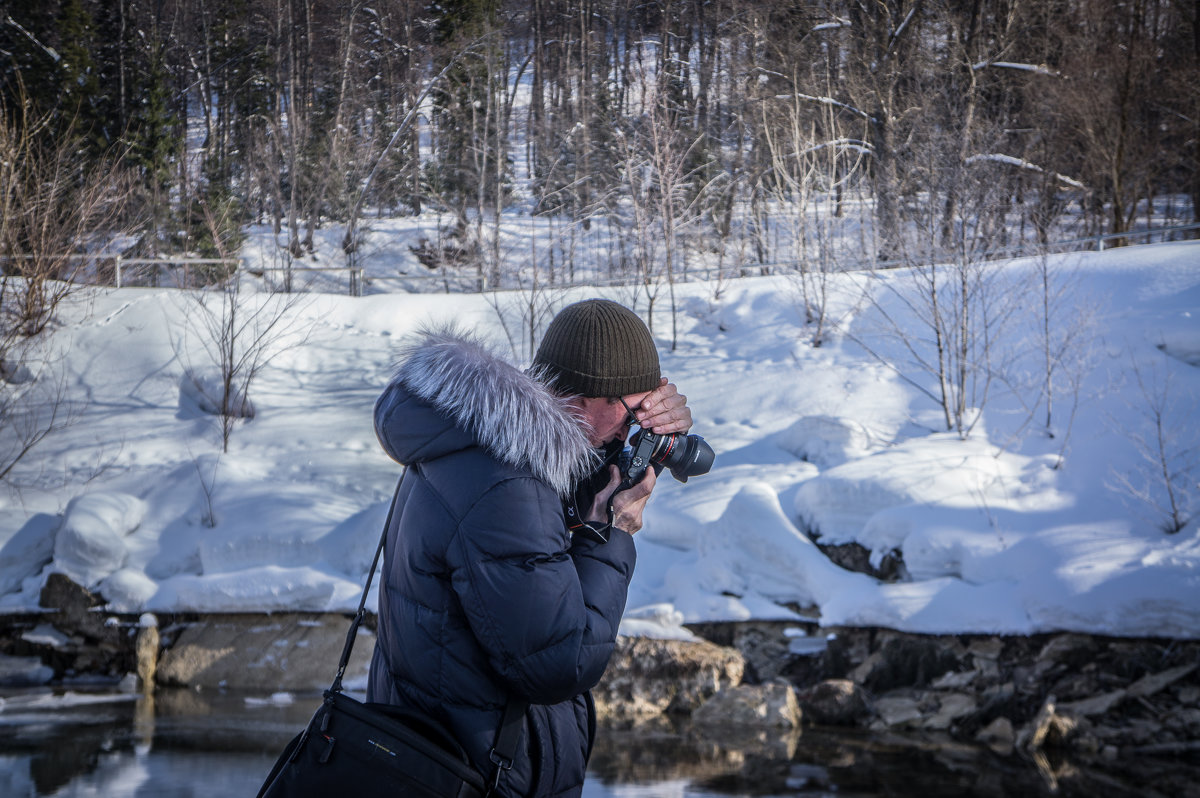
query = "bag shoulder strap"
{"x": 508, "y": 737}
{"x": 336, "y": 687}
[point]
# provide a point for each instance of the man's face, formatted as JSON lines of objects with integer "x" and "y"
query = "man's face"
{"x": 606, "y": 419}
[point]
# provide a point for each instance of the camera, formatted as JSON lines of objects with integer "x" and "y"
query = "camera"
{"x": 684, "y": 455}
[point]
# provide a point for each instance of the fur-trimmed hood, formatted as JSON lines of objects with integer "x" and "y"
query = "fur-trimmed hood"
{"x": 452, "y": 391}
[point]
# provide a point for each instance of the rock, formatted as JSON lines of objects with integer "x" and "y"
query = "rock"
{"x": 1072, "y": 686}
{"x": 1189, "y": 695}
{"x": 1186, "y": 721}
{"x": 834, "y": 702}
{"x": 896, "y": 712}
{"x": 905, "y": 661}
{"x": 289, "y": 651}
{"x": 1149, "y": 685}
{"x": 70, "y": 598}
{"x": 856, "y": 557}
{"x": 998, "y": 700}
{"x": 647, "y": 677}
{"x": 796, "y": 650}
{"x": 771, "y": 705}
{"x": 954, "y": 680}
{"x": 1086, "y": 742}
{"x": 863, "y": 671}
{"x": 23, "y": 672}
{"x": 78, "y": 609}
{"x": 998, "y": 735}
{"x": 765, "y": 649}
{"x": 985, "y": 655}
{"x": 951, "y": 707}
{"x": 1048, "y": 729}
{"x": 1143, "y": 731}
{"x": 1096, "y": 705}
{"x": 1072, "y": 650}
{"x": 999, "y": 693}
{"x": 988, "y": 650}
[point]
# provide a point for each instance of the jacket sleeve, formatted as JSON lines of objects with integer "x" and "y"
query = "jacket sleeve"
{"x": 544, "y": 609}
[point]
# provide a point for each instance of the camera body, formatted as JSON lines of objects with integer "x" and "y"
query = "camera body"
{"x": 684, "y": 455}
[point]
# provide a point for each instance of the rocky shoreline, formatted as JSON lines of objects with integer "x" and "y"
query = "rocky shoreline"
{"x": 1044, "y": 699}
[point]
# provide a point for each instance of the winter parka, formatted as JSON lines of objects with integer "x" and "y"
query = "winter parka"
{"x": 485, "y": 595}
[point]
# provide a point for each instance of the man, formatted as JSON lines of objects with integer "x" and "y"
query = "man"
{"x": 510, "y": 553}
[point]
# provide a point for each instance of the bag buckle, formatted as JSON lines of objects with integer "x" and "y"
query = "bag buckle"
{"x": 502, "y": 764}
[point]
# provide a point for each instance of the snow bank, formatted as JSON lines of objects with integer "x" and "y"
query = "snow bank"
{"x": 1017, "y": 529}
{"x": 26, "y": 546}
{"x": 268, "y": 588}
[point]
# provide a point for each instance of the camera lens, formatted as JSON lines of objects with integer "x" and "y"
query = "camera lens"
{"x": 685, "y": 455}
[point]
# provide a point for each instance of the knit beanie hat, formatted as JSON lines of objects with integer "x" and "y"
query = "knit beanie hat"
{"x": 598, "y": 348}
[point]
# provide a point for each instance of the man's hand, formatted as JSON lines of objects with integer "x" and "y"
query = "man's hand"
{"x": 627, "y": 505}
{"x": 665, "y": 410}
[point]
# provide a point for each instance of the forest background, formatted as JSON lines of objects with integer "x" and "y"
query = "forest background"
{"x": 811, "y": 134}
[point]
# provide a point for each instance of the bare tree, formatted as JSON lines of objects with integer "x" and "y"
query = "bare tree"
{"x": 54, "y": 208}
{"x": 524, "y": 313}
{"x": 1110, "y": 113}
{"x": 665, "y": 189}
{"x": 640, "y": 240}
{"x": 813, "y": 159}
{"x": 949, "y": 320}
{"x": 239, "y": 333}
{"x": 1166, "y": 477}
{"x": 1064, "y": 331}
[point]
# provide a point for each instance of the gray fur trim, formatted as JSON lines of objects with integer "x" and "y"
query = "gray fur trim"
{"x": 517, "y": 418}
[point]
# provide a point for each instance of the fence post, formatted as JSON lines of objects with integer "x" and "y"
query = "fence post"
{"x": 118, "y": 271}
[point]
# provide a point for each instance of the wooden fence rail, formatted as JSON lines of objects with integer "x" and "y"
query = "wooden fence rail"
{"x": 120, "y": 271}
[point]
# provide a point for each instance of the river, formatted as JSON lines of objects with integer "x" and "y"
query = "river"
{"x": 183, "y": 744}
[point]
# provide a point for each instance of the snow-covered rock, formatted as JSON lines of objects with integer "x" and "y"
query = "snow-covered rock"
{"x": 128, "y": 590}
{"x": 91, "y": 543}
{"x": 826, "y": 441}
{"x": 25, "y": 550}
{"x": 205, "y": 391}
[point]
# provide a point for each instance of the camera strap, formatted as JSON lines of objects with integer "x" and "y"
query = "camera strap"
{"x": 574, "y": 516}
{"x": 594, "y": 530}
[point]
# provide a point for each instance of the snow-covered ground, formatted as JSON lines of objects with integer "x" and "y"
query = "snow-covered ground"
{"x": 1011, "y": 530}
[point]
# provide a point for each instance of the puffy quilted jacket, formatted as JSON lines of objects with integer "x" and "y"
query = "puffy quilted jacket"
{"x": 484, "y": 593}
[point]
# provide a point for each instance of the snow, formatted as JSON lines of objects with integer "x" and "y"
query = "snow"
{"x": 1020, "y": 163}
{"x": 1016, "y": 529}
{"x": 1036, "y": 68}
{"x": 26, "y": 543}
{"x": 45, "y": 701}
{"x": 273, "y": 700}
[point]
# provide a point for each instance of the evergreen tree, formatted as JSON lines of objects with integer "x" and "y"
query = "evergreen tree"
{"x": 466, "y": 107}
{"x": 154, "y": 143}
{"x": 50, "y": 65}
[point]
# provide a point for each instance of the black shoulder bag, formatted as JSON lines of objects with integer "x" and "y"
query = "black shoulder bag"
{"x": 352, "y": 748}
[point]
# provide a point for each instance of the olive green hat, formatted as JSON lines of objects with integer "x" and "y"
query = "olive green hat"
{"x": 598, "y": 348}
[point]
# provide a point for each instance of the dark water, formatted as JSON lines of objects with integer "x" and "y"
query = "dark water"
{"x": 185, "y": 745}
